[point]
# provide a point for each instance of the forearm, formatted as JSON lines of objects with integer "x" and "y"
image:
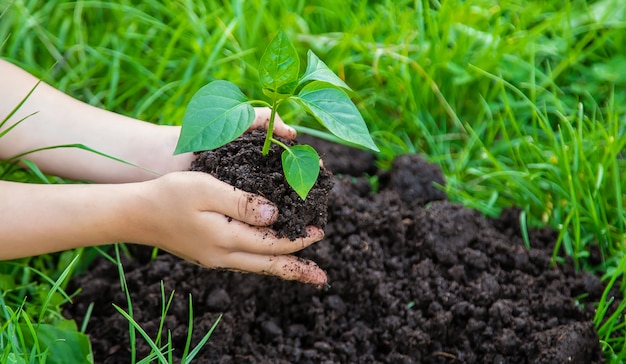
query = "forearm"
{"x": 61, "y": 120}
{"x": 37, "y": 219}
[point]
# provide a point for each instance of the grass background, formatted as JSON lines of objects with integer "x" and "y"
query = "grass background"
{"x": 520, "y": 103}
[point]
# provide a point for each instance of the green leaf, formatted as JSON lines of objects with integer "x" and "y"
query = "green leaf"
{"x": 217, "y": 114}
{"x": 333, "y": 108}
{"x": 280, "y": 65}
{"x": 301, "y": 166}
{"x": 14, "y": 359}
{"x": 63, "y": 342}
{"x": 317, "y": 70}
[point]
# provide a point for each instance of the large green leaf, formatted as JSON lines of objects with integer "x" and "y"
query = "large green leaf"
{"x": 217, "y": 114}
{"x": 301, "y": 165}
{"x": 317, "y": 70}
{"x": 65, "y": 344}
{"x": 279, "y": 65}
{"x": 333, "y": 108}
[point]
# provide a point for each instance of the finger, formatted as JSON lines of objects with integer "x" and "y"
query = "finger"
{"x": 283, "y": 130}
{"x": 263, "y": 241}
{"x": 262, "y": 118}
{"x": 287, "y": 267}
{"x": 237, "y": 204}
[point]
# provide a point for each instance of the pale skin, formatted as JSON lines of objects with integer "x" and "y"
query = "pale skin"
{"x": 190, "y": 214}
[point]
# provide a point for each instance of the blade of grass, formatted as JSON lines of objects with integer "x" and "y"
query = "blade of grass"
{"x": 83, "y": 147}
{"x": 56, "y": 287}
{"x": 124, "y": 286}
{"x": 135, "y": 326}
{"x": 203, "y": 341}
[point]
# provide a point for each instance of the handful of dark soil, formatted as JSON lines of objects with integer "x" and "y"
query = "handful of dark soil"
{"x": 241, "y": 164}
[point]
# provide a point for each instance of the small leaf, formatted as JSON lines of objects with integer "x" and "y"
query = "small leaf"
{"x": 280, "y": 65}
{"x": 283, "y": 91}
{"x": 301, "y": 165}
{"x": 317, "y": 70}
{"x": 333, "y": 108}
{"x": 216, "y": 115}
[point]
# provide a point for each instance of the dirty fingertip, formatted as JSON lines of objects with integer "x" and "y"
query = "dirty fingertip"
{"x": 292, "y": 132}
{"x": 309, "y": 272}
{"x": 315, "y": 232}
{"x": 267, "y": 211}
{"x": 288, "y": 132}
{"x": 317, "y": 277}
{"x": 319, "y": 280}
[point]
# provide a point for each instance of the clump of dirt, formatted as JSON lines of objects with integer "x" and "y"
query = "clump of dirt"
{"x": 414, "y": 279}
{"x": 241, "y": 164}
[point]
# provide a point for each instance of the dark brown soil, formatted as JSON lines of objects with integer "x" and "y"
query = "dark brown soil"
{"x": 264, "y": 176}
{"x": 414, "y": 279}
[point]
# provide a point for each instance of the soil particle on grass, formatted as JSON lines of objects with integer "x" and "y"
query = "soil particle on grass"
{"x": 413, "y": 279}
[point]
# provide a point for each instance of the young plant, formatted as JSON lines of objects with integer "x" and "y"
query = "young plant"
{"x": 219, "y": 112}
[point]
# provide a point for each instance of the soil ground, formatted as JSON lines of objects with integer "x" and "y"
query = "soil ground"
{"x": 413, "y": 278}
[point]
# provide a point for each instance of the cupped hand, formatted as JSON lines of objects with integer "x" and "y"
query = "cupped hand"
{"x": 208, "y": 222}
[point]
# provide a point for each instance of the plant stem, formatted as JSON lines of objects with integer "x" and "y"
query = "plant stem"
{"x": 285, "y": 147}
{"x": 270, "y": 129}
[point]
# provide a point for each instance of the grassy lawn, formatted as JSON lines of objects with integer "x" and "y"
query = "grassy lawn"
{"x": 520, "y": 104}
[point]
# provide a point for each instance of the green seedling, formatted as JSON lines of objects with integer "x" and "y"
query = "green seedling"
{"x": 219, "y": 112}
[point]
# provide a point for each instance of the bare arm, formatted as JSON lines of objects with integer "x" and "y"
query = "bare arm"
{"x": 61, "y": 119}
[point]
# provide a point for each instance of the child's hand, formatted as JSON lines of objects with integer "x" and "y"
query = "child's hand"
{"x": 208, "y": 222}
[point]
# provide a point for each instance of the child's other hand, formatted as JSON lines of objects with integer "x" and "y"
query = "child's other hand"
{"x": 208, "y": 222}
{"x": 280, "y": 128}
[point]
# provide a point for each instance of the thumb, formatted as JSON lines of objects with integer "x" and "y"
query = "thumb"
{"x": 240, "y": 205}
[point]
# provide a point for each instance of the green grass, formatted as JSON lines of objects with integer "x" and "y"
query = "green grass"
{"x": 520, "y": 105}
{"x": 160, "y": 352}
{"x": 32, "y": 329}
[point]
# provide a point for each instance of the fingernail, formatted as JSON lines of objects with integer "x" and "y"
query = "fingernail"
{"x": 315, "y": 232}
{"x": 267, "y": 211}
